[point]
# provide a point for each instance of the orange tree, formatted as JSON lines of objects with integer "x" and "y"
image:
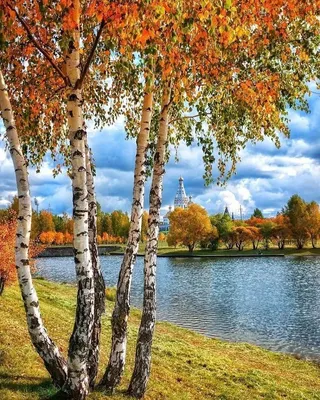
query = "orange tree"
{"x": 256, "y": 236}
{"x": 242, "y": 236}
{"x": 190, "y": 226}
{"x": 7, "y": 254}
{"x": 7, "y": 260}
{"x": 281, "y": 231}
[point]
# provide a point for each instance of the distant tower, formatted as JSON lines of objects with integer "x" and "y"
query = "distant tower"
{"x": 181, "y": 200}
{"x": 36, "y": 202}
{"x": 226, "y": 212}
{"x": 232, "y": 217}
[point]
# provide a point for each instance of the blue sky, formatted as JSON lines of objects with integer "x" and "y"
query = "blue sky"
{"x": 265, "y": 178}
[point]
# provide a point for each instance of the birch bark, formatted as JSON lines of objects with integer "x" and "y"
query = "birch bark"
{"x": 45, "y": 347}
{"x": 141, "y": 373}
{"x": 77, "y": 385}
{"x": 99, "y": 284}
{"x": 121, "y": 311}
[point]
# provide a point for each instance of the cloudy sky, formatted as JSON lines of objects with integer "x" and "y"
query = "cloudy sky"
{"x": 265, "y": 178}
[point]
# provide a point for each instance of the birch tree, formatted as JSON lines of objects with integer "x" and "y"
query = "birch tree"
{"x": 83, "y": 346}
{"x": 141, "y": 371}
{"x": 222, "y": 72}
{"x": 122, "y": 306}
{"x": 66, "y": 67}
{"x": 45, "y": 347}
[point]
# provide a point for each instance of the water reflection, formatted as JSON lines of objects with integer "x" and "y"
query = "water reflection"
{"x": 273, "y": 302}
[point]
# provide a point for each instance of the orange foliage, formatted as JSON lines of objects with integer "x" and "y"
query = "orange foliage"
{"x": 68, "y": 238}
{"x": 59, "y": 238}
{"x": 110, "y": 239}
{"x": 7, "y": 260}
{"x": 162, "y": 237}
{"x": 7, "y": 252}
{"x": 47, "y": 237}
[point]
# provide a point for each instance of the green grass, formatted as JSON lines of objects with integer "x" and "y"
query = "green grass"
{"x": 164, "y": 250}
{"x": 186, "y": 365}
{"x": 289, "y": 251}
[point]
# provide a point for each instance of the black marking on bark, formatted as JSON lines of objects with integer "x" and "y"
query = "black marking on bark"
{"x": 80, "y": 134}
{"x": 34, "y": 323}
{"x": 14, "y": 149}
{"x": 73, "y": 97}
{"x": 77, "y": 153}
{"x": 84, "y": 233}
{"x": 24, "y": 262}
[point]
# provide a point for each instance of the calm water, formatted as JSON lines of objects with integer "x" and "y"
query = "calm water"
{"x": 272, "y": 302}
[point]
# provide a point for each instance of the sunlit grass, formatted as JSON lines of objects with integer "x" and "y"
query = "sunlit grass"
{"x": 186, "y": 365}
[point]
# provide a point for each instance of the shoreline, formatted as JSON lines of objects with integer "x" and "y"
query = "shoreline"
{"x": 113, "y": 250}
{"x": 207, "y": 255}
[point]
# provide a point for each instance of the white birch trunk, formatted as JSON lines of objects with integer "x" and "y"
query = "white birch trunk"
{"x": 77, "y": 385}
{"x": 121, "y": 311}
{"x": 99, "y": 284}
{"x": 141, "y": 373}
{"x": 45, "y": 347}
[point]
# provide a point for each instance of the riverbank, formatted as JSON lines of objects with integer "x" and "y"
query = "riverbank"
{"x": 67, "y": 250}
{"x": 165, "y": 251}
{"x": 186, "y": 365}
{"x": 247, "y": 252}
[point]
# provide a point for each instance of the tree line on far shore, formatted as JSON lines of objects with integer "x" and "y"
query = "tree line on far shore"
{"x": 52, "y": 229}
{"x": 297, "y": 224}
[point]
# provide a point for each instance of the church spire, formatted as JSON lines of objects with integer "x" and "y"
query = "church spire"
{"x": 181, "y": 200}
{"x": 226, "y": 212}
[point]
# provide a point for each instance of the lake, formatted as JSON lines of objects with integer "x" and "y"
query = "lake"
{"x": 271, "y": 302}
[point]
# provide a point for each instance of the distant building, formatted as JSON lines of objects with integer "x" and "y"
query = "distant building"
{"x": 181, "y": 200}
{"x": 226, "y": 212}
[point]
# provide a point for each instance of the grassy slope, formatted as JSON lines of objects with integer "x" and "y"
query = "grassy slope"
{"x": 186, "y": 365}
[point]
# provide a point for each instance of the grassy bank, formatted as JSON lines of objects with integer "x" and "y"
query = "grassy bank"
{"x": 164, "y": 250}
{"x": 186, "y": 365}
{"x": 290, "y": 251}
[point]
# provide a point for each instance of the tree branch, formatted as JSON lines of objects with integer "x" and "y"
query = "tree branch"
{"x": 90, "y": 56}
{"x": 189, "y": 117}
{"x": 38, "y": 45}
